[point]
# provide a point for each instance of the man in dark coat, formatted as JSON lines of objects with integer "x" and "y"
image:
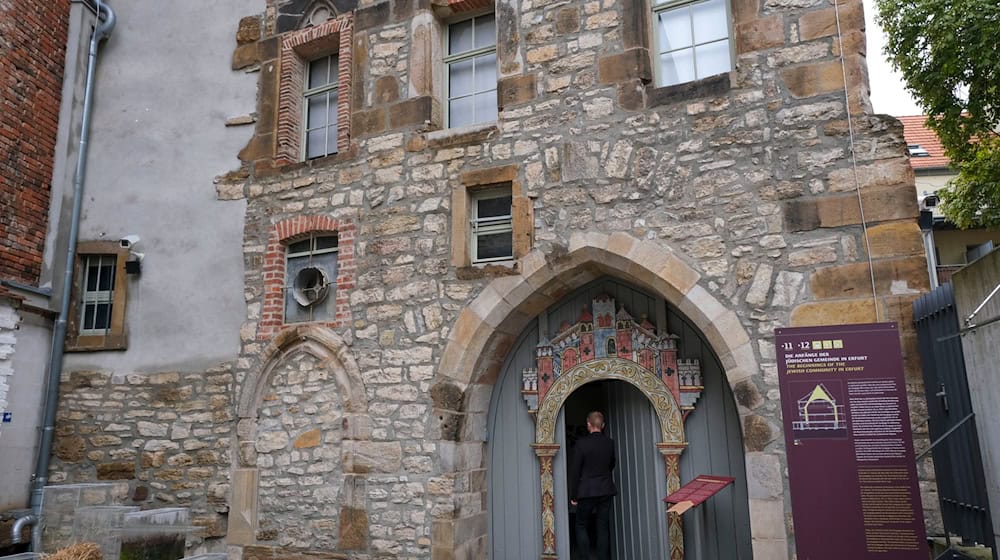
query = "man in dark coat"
{"x": 591, "y": 487}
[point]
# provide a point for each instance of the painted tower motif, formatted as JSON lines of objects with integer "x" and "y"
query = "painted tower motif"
{"x": 605, "y": 333}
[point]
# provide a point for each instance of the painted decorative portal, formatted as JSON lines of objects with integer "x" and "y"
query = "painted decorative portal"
{"x": 606, "y": 345}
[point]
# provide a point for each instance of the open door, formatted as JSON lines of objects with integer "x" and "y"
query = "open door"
{"x": 639, "y": 526}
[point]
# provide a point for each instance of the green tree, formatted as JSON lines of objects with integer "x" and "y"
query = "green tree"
{"x": 949, "y": 54}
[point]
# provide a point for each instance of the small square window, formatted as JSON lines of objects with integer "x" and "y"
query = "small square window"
{"x": 471, "y": 63}
{"x": 692, "y": 40}
{"x": 311, "y": 279}
{"x": 492, "y": 225}
{"x": 97, "y": 321}
{"x": 320, "y": 107}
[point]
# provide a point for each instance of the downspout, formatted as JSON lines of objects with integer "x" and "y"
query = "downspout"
{"x": 926, "y": 222}
{"x": 105, "y": 24}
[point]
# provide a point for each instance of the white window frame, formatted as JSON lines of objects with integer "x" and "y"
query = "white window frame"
{"x": 450, "y": 59}
{"x": 307, "y": 93}
{"x": 492, "y": 225}
{"x": 311, "y": 252}
{"x": 657, "y": 32}
{"x": 98, "y": 296}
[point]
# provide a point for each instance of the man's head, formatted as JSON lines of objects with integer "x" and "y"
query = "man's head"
{"x": 595, "y": 421}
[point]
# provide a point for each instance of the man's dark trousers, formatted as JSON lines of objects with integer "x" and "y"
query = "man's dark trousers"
{"x": 584, "y": 507}
{"x": 592, "y": 486}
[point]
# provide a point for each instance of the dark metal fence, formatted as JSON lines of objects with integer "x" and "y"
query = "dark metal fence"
{"x": 958, "y": 464}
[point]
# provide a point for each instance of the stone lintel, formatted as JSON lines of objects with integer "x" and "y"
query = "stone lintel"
{"x": 712, "y": 86}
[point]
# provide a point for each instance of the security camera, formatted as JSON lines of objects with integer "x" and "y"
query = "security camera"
{"x": 128, "y": 241}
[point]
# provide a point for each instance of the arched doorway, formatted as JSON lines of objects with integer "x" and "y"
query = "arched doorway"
{"x": 721, "y": 529}
{"x": 638, "y": 519}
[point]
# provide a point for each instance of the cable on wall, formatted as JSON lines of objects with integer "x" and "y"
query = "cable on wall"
{"x": 854, "y": 158}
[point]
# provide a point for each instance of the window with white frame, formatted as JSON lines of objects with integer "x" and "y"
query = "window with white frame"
{"x": 492, "y": 225}
{"x": 311, "y": 279}
{"x": 692, "y": 40}
{"x": 320, "y": 107}
{"x": 97, "y": 319}
{"x": 471, "y": 63}
{"x": 98, "y": 295}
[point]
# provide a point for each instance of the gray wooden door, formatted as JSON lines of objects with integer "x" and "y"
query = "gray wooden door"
{"x": 719, "y": 529}
{"x": 640, "y": 523}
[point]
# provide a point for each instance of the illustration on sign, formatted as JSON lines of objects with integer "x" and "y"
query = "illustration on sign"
{"x": 820, "y": 413}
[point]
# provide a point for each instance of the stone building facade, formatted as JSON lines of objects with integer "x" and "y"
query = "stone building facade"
{"x": 763, "y": 197}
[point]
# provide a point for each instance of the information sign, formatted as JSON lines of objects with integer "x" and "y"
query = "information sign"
{"x": 851, "y": 469}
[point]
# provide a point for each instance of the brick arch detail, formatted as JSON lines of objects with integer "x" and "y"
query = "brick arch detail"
{"x": 272, "y": 317}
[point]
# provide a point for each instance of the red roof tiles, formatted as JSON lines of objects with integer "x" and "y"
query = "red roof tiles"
{"x": 916, "y": 132}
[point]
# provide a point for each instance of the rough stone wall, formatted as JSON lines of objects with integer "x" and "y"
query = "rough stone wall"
{"x": 32, "y": 48}
{"x": 167, "y": 434}
{"x": 298, "y": 451}
{"x": 748, "y": 179}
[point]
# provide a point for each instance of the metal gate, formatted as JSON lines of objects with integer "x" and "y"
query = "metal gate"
{"x": 958, "y": 463}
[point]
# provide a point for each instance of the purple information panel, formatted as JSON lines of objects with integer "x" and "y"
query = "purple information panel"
{"x": 851, "y": 469}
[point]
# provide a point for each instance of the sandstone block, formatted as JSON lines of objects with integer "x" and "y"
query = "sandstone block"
{"x": 817, "y": 78}
{"x": 70, "y": 449}
{"x": 882, "y": 173}
{"x": 764, "y": 479}
{"x": 515, "y": 90}
{"x": 353, "y": 528}
{"x": 745, "y": 10}
{"x": 757, "y": 432}
{"x": 842, "y": 312}
{"x": 567, "y": 20}
{"x": 386, "y": 89}
{"x": 812, "y": 256}
{"x": 244, "y": 56}
{"x": 760, "y": 34}
{"x": 371, "y": 456}
{"x": 823, "y": 23}
{"x": 248, "y": 30}
{"x": 629, "y": 65}
{"x": 367, "y": 123}
{"x": 881, "y": 204}
{"x": 116, "y": 471}
{"x": 414, "y": 112}
{"x": 854, "y": 280}
{"x": 308, "y": 439}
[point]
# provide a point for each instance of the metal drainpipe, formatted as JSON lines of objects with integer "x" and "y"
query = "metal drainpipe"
{"x": 105, "y": 24}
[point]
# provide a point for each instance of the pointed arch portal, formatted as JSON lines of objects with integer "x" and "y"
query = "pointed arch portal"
{"x": 487, "y": 330}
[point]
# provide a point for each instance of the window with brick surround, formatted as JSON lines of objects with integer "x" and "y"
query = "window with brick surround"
{"x": 692, "y": 40}
{"x": 471, "y": 71}
{"x": 315, "y": 91}
{"x": 308, "y": 272}
{"x": 97, "y": 320}
{"x": 311, "y": 279}
{"x": 321, "y": 107}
